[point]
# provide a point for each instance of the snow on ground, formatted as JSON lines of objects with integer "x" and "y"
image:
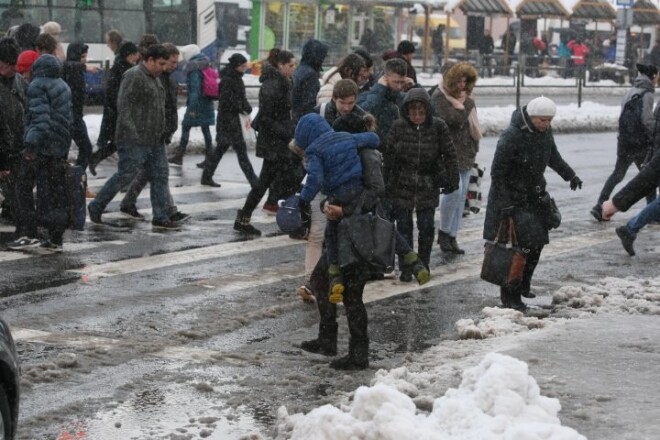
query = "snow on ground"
{"x": 463, "y": 389}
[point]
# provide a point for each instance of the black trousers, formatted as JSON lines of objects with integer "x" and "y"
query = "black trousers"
{"x": 620, "y": 170}
{"x": 25, "y": 180}
{"x": 512, "y": 295}
{"x": 52, "y": 200}
{"x": 226, "y": 140}
{"x": 80, "y": 136}
{"x": 426, "y": 227}
{"x": 282, "y": 176}
{"x": 356, "y": 312}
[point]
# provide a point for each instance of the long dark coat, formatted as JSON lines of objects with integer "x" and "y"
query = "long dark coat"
{"x": 419, "y": 159}
{"x": 276, "y": 127}
{"x": 517, "y": 180}
{"x": 109, "y": 121}
{"x": 232, "y": 102}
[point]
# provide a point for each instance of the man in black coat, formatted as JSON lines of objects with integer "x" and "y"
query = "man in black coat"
{"x": 523, "y": 152}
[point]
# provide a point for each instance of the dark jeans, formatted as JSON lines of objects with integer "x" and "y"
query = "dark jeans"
{"x": 52, "y": 200}
{"x": 137, "y": 186}
{"x": 356, "y": 312}
{"x": 238, "y": 144}
{"x": 425, "y": 224}
{"x": 620, "y": 170}
{"x": 24, "y": 183}
{"x": 282, "y": 176}
{"x": 185, "y": 136}
{"x": 343, "y": 197}
{"x": 81, "y": 138}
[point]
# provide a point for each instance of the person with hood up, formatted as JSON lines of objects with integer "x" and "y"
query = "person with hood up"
{"x": 231, "y": 103}
{"x": 47, "y": 139}
{"x": 454, "y": 105}
{"x": 199, "y": 108}
{"x": 334, "y": 167}
{"x": 525, "y": 149}
{"x": 632, "y": 148}
{"x": 127, "y": 57}
{"x": 74, "y": 75}
{"x": 420, "y": 162}
{"x": 306, "y": 83}
{"x": 281, "y": 169}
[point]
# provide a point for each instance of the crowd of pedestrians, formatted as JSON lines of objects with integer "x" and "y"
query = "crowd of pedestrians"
{"x": 349, "y": 141}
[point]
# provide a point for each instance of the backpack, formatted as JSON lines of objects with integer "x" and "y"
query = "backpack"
{"x": 210, "y": 83}
{"x": 632, "y": 132}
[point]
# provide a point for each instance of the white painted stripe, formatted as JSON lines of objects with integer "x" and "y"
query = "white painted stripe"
{"x": 75, "y": 340}
{"x": 188, "y": 256}
{"x": 68, "y": 247}
{"x": 13, "y": 255}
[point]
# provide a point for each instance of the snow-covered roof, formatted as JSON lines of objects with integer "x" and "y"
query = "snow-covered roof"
{"x": 539, "y": 8}
{"x": 645, "y": 12}
{"x": 480, "y": 6}
{"x": 591, "y": 9}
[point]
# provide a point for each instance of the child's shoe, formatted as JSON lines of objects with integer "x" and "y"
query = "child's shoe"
{"x": 336, "y": 284}
{"x": 414, "y": 264}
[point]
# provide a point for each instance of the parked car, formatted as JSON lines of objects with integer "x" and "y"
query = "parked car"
{"x": 95, "y": 83}
{"x": 10, "y": 385}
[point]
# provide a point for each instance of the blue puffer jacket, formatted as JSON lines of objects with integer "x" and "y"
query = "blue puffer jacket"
{"x": 332, "y": 157}
{"x": 48, "y": 110}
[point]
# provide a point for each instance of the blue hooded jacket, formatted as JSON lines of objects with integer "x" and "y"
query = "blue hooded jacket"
{"x": 306, "y": 84}
{"x": 48, "y": 109}
{"x": 332, "y": 157}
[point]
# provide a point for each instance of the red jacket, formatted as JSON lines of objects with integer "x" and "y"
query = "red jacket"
{"x": 580, "y": 52}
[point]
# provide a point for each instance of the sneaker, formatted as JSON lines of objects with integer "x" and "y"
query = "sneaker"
{"x": 242, "y": 225}
{"x": 23, "y": 243}
{"x": 131, "y": 212}
{"x": 94, "y": 215}
{"x": 179, "y": 217}
{"x": 305, "y": 294}
{"x": 627, "y": 239}
{"x": 166, "y": 225}
{"x": 48, "y": 247}
{"x": 270, "y": 208}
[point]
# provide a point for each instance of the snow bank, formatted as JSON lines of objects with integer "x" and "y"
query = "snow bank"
{"x": 496, "y": 400}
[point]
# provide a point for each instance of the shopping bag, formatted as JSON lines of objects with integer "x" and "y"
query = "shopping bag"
{"x": 76, "y": 184}
{"x": 366, "y": 239}
{"x": 249, "y": 134}
{"x": 504, "y": 265}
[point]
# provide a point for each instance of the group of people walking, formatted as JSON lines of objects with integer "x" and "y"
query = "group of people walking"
{"x": 349, "y": 141}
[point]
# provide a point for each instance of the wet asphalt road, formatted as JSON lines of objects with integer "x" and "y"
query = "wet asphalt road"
{"x": 137, "y": 334}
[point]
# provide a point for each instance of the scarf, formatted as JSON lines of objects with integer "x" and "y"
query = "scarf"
{"x": 459, "y": 104}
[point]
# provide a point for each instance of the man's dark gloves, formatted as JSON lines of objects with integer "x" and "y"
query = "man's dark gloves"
{"x": 576, "y": 183}
{"x": 305, "y": 213}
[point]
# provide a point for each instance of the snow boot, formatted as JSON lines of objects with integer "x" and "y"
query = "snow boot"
{"x": 357, "y": 358}
{"x": 326, "y": 343}
{"x": 242, "y": 224}
{"x": 454, "y": 246}
{"x": 444, "y": 240}
{"x": 336, "y": 284}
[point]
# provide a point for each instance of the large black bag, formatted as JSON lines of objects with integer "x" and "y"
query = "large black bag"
{"x": 551, "y": 214}
{"x": 504, "y": 265}
{"x": 366, "y": 239}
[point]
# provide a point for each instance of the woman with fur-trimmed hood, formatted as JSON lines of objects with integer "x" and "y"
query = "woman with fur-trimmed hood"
{"x": 453, "y": 103}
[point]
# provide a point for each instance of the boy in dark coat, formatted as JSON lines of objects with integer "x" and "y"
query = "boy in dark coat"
{"x": 47, "y": 139}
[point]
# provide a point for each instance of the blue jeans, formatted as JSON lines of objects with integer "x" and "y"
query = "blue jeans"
{"x": 651, "y": 213}
{"x": 452, "y": 205}
{"x": 132, "y": 160}
{"x": 136, "y": 187}
{"x": 185, "y": 136}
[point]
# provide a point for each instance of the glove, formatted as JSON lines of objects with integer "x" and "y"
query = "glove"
{"x": 305, "y": 213}
{"x": 575, "y": 183}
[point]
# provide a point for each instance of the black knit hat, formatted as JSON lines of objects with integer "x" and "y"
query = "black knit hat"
{"x": 405, "y": 47}
{"x": 127, "y": 48}
{"x": 237, "y": 60}
{"x": 647, "y": 69}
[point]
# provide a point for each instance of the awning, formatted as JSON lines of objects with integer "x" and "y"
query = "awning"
{"x": 594, "y": 10}
{"x": 540, "y": 9}
{"x": 645, "y": 13}
{"x": 480, "y": 7}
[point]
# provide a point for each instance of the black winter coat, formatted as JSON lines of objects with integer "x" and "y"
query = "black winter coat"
{"x": 12, "y": 109}
{"x": 644, "y": 183}
{"x": 171, "y": 106}
{"x": 232, "y": 102}
{"x": 419, "y": 159}
{"x": 276, "y": 127}
{"x": 109, "y": 121}
{"x": 74, "y": 75}
{"x": 517, "y": 180}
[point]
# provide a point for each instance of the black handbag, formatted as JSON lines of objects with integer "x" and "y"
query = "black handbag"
{"x": 366, "y": 239}
{"x": 551, "y": 214}
{"x": 504, "y": 265}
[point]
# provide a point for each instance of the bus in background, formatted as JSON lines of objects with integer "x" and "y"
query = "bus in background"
{"x": 223, "y": 28}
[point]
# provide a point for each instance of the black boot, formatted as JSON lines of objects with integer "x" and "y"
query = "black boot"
{"x": 357, "y": 358}
{"x": 326, "y": 343}
{"x": 515, "y": 300}
{"x": 454, "y": 246}
{"x": 177, "y": 157}
{"x": 505, "y": 297}
{"x": 242, "y": 224}
{"x": 94, "y": 161}
{"x": 444, "y": 240}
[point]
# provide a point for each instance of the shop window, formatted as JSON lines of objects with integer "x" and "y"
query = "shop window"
{"x": 335, "y": 32}
{"x": 302, "y": 25}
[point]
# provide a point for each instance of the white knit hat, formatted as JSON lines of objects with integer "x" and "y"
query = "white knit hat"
{"x": 541, "y": 106}
{"x": 189, "y": 51}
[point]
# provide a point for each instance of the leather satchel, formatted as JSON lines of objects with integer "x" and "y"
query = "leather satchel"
{"x": 366, "y": 239}
{"x": 503, "y": 265}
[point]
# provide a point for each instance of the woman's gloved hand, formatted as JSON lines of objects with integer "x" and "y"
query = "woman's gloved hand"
{"x": 575, "y": 183}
